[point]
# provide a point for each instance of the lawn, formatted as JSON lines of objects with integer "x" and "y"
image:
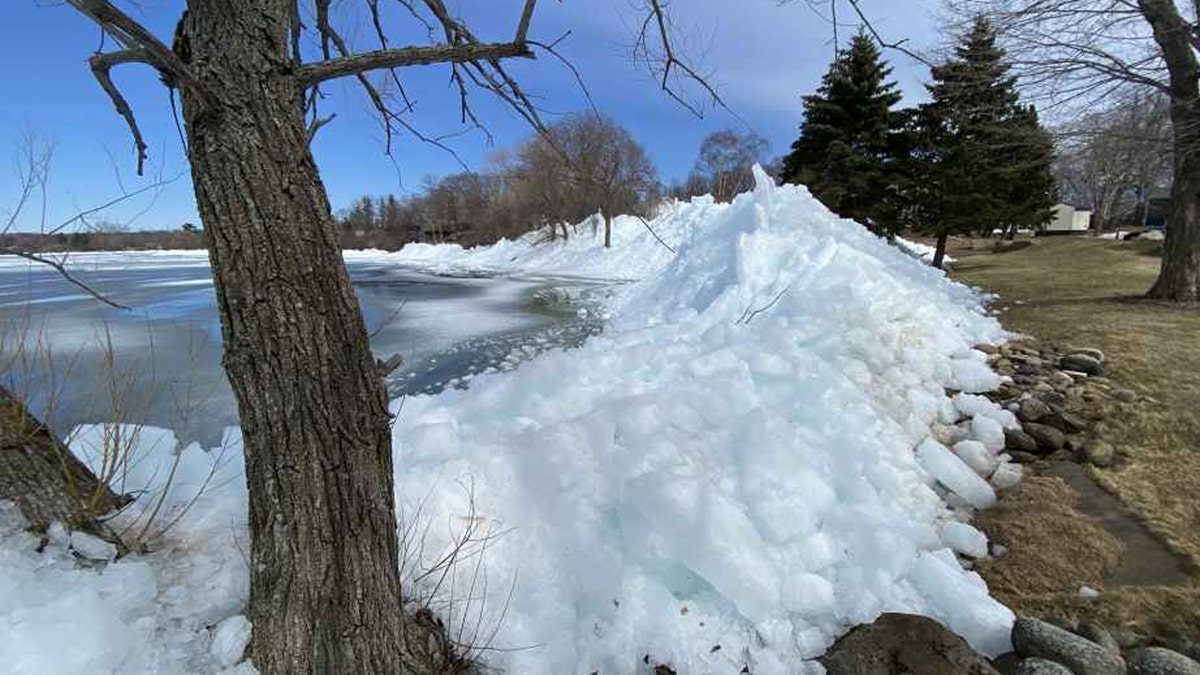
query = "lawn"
{"x": 1084, "y": 291}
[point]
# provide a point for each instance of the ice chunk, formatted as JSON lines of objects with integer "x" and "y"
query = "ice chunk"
{"x": 976, "y": 455}
{"x": 973, "y": 405}
{"x": 964, "y": 539}
{"x": 91, "y": 546}
{"x": 955, "y": 474}
{"x": 989, "y": 432}
{"x": 963, "y": 604}
{"x": 1007, "y": 475}
{"x": 229, "y": 641}
{"x": 974, "y": 376}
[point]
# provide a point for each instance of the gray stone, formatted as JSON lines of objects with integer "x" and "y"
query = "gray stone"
{"x": 1021, "y": 457}
{"x": 1052, "y": 398}
{"x": 1160, "y": 661}
{"x": 1100, "y": 636}
{"x": 1089, "y": 352}
{"x": 1100, "y": 453}
{"x": 1016, "y": 439}
{"x": 1036, "y": 666}
{"x": 1060, "y": 380}
{"x": 1032, "y": 410}
{"x": 1128, "y": 639}
{"x": 1063, "y": 421}
{"x": 903, "y": 643}
{"x": 1083, "y": 363}
{"x": 1084, "y": 657}
{"x": 1048, "y": 438}
{"x": 1124, "y": 395}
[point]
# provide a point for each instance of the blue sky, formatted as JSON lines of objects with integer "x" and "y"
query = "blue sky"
{"x": 763, "y": 56}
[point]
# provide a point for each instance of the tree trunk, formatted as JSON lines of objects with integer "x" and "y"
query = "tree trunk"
{"x": 607, "y": 231}
{"x": 1179, "y": 278}
{"x": 939, "y": 253}
{"x": 324, "y": 576}
{"x": 42, "y": 477}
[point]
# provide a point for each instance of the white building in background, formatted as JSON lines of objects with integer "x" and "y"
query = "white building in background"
{"x": 1067, "y": 218}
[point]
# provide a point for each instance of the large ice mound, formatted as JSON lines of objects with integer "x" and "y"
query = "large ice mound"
{"x": 731, "y": 464}
{"x": 727, "y": 477}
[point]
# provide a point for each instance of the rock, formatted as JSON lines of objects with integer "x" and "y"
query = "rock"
{"x": 1052, "y": 398}
{"x": 986, "y": 348}
{"x": 1090, "y": 352}
{"x": 1100, "y": 453}
{"x": 1128, "y": 639}
{"x": 1019, "y": 441}
{"x": 1160, "y": 661}
{"x": 1081, "y": 362}
{"x": 1124, "y": 395}
{"x": 1021, "y": 457}
{"x": 1100, "y": 636}
{"x": 1068, "y": 422}
{"x": 1037, "y": 638}
{"x": 1060, "y": 380}
{"x": 903, "y": 643}
{"x": 1032, "y": 410}
{"x": 1076, "y": 375}
{"x": 1036, "y": 666}
{"x": 1074, "y": 444}
{"x": 1048, "y": 438}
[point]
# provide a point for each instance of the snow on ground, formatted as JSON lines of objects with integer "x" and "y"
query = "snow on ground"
{"x": 728, "y": 476}
{"x": 923, "y": 252}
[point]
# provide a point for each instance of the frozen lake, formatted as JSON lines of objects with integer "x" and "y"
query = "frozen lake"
{"x": 165, "y": 365}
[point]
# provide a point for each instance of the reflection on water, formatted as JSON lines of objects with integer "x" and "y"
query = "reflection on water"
{"x": 159, "y": 362}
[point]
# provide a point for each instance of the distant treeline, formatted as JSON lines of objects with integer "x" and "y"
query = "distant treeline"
{"x": 188, "y": 237}
{"x": 582, "y": 165}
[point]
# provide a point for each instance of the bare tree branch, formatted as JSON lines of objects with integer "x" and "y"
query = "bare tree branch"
{"x": 410, "y": 56}
{"x": 60, "y": 267}
{"x": 133, "y": 36}
{"x": 101, "y": 64}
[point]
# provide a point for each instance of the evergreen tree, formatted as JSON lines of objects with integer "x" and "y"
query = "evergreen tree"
{"x": 843, "y": 153}
{"x": 984, "y": 159}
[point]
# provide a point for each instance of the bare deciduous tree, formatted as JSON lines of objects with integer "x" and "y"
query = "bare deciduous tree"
{"x": 324, "y": 586}
{"x": 726, "y": 159}
{"x": 1075, "y": 51}
{"x": 582, "y": 165}
{"x": 1111, "y": 161}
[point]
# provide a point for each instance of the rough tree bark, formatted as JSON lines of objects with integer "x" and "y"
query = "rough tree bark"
{"x": 42, "y": 477}
{"x": 1179, "y": 278}
{"x": 939, "y": 253}
{"x": 325, "y": 588}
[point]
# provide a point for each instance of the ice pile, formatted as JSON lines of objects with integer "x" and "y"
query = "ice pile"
{"x": 756, "y": 454}
{"x": 67, "y": 609}
{"x": 726, "y": 477}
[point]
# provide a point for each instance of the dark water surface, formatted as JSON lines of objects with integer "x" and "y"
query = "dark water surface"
{"x": 164, "y": 364}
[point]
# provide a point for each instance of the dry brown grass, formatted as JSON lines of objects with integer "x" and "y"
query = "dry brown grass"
{"x": 1052, "y": 548}
{"x": 1084, "y": 291}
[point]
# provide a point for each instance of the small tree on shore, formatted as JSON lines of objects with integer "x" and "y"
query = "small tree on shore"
{"x": 582, "y": 165}
{"x": 726, "y": 160}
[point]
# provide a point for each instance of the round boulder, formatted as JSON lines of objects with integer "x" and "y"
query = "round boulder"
{"x": 1160, "y": 661}
{"x": 903, "y": 643}
{"x": 1033, "y": 638}
{"x": 1036, "y": 666}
